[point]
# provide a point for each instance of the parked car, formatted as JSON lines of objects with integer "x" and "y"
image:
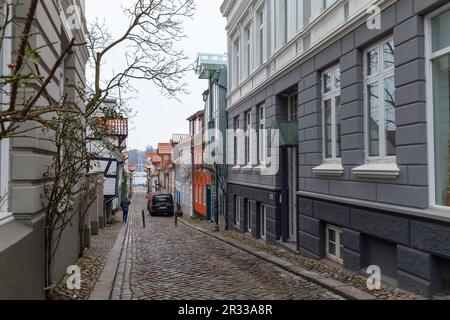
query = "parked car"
{"x": 160, "y": 204}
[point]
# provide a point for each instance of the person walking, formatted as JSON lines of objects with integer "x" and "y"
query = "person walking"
{"x": 125, "y": 204}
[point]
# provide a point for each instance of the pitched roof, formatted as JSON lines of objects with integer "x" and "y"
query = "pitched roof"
{"x": 164, "y": 148}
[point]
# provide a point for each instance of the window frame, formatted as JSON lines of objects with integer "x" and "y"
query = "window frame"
{"x": 236, "y": 149}
{"x": 262, "y": 135}
{"x": 431, "y": 56}
{"x": 261, "y": 39}
{"x": 248, "y": 137}
{"x": 338, "y": 243}
{"x": 237, "y": 211}
{"x": 248, "y": 48}
{"x": 248, "y": 216}
{"x": 334, "y": 93}
{"x": 291, "y": 114}
{"x": 237, "y": 68}
{"x": 379, "y": 79}
{"x": 263, "y": 217}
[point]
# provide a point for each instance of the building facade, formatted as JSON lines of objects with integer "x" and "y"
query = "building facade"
{"x": 213, "y": 67}
{"x": 360, "y": 97}
{"x": 201, "y": 180}
{"x": 182, "y": 169}
{"x": 24, "y": 161}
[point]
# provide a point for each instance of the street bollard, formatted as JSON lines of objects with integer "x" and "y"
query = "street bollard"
{"x": 176, "y": 220}
{"x": 143, "y": 218}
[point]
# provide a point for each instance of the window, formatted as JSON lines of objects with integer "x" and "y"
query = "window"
{"x": 334, "y": 247}
{"x": 292, "y": 107}
{"x": 248, "y": 218}
{"x": 238, "y": 211}
{"x": 327, "y": 4}
{"x": 248, "y": 127}
{"x": 262, "y": 221}
{"x": 261, "y": 39}
{"x": 438, "y": 71}
{"x": 248, "y": 50}
{"x": 331, "y": 105}
{"x": 262, "y": 135}
{"x": 236, "y": 140}
{"x": 380, "y": 101}
{"x": 237, "y": 63}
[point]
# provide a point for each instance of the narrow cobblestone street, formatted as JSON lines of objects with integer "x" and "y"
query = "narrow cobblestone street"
{"x": 164, "y": 262}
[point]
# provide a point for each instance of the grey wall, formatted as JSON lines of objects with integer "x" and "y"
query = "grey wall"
{"x": 21, "y": 247}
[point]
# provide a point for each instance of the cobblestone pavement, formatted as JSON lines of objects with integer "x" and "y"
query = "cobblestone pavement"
{"x": 162, "y": 262}
{"x": 329, "y": 270}
{"x": 91, "y": 264}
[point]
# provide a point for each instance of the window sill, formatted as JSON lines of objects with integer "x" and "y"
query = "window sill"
{"x": 247, "y": 168}
{"x": 333, "y": 170}
{"x": 236, "y": 168}
{"x": 378, "y": 171}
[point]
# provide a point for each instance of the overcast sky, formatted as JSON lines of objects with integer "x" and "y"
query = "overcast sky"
{"x": 157, "y": 116}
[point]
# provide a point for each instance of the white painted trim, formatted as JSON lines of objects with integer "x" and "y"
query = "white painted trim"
{"x": 429, "y": 57}
{"x": 332, "y": 170}
{"x": 331, "y": 95}
{"x": 378, "y": 170}
{"x": 378, "y": 79}
{"x": 263, "y": 217}
{"x": 338, "y": 242}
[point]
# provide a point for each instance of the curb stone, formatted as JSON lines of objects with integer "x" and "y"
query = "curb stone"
{"x": 333, "y": 285}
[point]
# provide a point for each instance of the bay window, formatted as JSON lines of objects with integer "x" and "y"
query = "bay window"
{"x": 438, "y": 53}
{"x": 380, "y": 101}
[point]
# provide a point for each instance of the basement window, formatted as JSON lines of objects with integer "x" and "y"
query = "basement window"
{"x": 334, "y": 247}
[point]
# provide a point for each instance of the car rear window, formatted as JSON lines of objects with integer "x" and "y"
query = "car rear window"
{"x": 162, "y": 198}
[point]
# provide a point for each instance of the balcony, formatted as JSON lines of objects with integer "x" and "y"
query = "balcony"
{"x": 208, "y": 64}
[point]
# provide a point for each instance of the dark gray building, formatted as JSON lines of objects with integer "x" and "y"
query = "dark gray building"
{"x": 361, "y": 98}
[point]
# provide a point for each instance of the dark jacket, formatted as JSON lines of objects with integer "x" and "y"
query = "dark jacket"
{"x": 125, "y": 204}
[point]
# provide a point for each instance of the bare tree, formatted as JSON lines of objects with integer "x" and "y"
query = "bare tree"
{"x": 155, "y": 26}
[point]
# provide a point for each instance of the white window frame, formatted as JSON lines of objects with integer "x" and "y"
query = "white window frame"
{"x": 379, "y": 78}
{"x": 262, "y": 134}
{"x": 290, "y": 113}
{"x": 238, "y": 211}
{"x": 429, "y": 57}
{"x": 261, "y": 43}
{"x": 263, "y": 221}
{"x": 248, "y": 137}
{"x": 5, "y": 214}
{"x": 339, "y": 254}
{"x": 237, "y": 67}
{"x": 248, "y": 218}
{"x": 248, "y": 49}
{"x": 331, "y": 95}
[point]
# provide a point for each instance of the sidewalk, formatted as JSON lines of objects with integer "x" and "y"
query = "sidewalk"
{"x": 343, "y": 282}
{"x": 92, "y": 263}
